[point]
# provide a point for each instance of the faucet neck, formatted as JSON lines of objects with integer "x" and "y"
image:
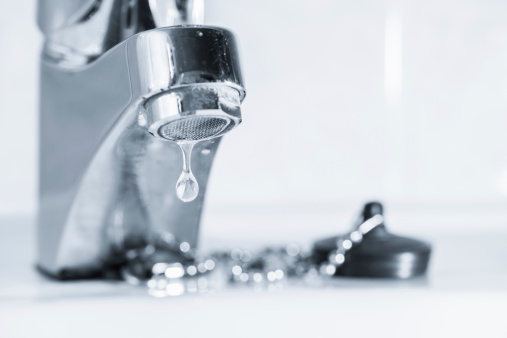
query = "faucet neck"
{"x": 79, "y": 31}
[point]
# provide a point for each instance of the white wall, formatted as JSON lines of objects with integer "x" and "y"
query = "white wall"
{"x": 19, "y": 51}
{"x": 347, "y": 100}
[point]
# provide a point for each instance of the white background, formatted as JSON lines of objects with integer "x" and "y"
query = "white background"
{"x": 401, "y": 101}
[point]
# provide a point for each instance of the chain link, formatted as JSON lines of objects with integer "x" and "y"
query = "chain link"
{"x": 170, "y": 268}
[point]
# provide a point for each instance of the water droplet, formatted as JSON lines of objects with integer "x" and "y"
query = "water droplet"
{"x": 199, "y": 33}
{"x": 205, "y": 151}
{"x": 187, "y": 187}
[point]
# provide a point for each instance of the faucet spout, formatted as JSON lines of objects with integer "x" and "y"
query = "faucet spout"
{"x": 109, "y": 157}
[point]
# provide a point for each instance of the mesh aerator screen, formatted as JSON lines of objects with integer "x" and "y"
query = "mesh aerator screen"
{"x": 194, "y": 128}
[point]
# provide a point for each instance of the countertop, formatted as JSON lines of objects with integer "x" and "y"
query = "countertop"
{"x": 464, "y": 294}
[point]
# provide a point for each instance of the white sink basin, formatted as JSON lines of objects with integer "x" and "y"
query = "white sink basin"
{"x": 464, "y": 294}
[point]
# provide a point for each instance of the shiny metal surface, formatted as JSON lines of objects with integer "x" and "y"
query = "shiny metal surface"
{"x": 79, "y": 31}
{"x": 106, "y": 183}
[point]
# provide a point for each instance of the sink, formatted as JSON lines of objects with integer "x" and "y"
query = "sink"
{"x": 463, "y": 294}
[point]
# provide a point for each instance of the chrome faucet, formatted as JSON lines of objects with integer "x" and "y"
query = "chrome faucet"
{"x": 117, "y": 94}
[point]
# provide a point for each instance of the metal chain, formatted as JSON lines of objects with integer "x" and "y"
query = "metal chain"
{"x": 189, "y": 272}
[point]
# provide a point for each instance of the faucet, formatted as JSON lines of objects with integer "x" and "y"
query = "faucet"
{"x": 123, "y": 83}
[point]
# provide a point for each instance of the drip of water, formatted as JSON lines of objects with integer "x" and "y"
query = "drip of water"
{"x": 187, "y": 187}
